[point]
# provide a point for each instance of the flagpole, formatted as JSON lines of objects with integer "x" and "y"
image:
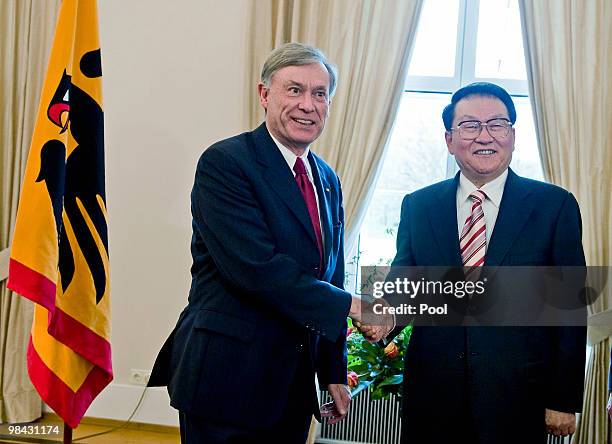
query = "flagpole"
{"x": 67, "y": 434}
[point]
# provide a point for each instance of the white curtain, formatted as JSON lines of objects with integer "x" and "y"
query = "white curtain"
{"x": 27, "y": 28}
{"x": 568, "y": 48}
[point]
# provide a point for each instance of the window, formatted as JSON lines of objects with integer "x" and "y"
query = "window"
{"x": 457, "y": 42}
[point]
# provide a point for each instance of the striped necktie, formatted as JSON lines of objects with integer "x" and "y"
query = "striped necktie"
{"x": 473, "y": 239}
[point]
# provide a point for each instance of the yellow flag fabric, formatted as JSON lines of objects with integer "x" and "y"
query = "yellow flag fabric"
{"x": 59, "y": 255}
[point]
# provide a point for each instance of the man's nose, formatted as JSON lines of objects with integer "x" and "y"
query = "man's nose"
{"x": 306, "y": 103}
{"x": 484, "y": 136}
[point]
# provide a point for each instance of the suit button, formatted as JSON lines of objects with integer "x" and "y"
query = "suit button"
{"x": 473, "y": 353}
{"x": 461, "y": 355}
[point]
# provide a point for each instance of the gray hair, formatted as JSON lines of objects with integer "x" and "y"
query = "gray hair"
{"x": 296, "y": 54}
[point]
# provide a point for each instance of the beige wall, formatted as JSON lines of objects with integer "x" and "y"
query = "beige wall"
{"x": 173, "y": 84}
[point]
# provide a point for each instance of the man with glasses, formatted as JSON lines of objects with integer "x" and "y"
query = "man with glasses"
{"x": 489, "y": 385}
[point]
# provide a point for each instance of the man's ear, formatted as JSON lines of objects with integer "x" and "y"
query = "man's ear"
{"x": 448, "y": 136}
{"x": 263, "y": 95}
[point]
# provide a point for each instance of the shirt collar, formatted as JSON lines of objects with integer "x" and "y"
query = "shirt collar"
{"x": 494, "y": 189}
{"x": 290, "y": 156}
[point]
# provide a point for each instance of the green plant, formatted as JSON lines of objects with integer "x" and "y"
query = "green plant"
{"x": 374, "y": 367}
{"x": 377, "y": 368}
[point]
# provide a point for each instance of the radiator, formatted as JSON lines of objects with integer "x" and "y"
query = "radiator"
{"x": 559, "y": 440}
{"x": 374, "y": 422}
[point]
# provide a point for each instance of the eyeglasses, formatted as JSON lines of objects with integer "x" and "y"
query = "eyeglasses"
{"x": 471, "y": 129}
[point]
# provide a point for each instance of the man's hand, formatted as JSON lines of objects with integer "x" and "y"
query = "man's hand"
{"x": 378, "y": 326}
{"x": 374, "y": 331}
{"x": 337, "y": 409}
{"x": 355, "y": 310}
{"x": 560, "y": 423}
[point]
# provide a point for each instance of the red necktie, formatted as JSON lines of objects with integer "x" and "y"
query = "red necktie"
{"x": 308, "y": 192}
{"x": 473, "y": 240}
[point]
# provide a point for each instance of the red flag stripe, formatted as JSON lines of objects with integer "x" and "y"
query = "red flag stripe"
{"x": 62, "y": 326}
{"x": 31, "y": 284}
{"x": 56, "y": 394}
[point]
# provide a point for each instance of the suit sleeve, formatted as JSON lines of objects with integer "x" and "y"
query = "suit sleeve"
{"x": 404, "y": 257}
{"x": 566, "y": 388}
{"x": 229, "y": 218}
{"x": 332, "y": 358}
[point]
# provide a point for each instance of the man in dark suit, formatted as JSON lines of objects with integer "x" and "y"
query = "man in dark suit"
{"x": 489, "y": 385}
{"x": 266, "y": 307}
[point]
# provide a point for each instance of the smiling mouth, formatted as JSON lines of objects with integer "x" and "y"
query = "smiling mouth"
{"x": 305, "y": 122}
{"x": 486, "y": 152}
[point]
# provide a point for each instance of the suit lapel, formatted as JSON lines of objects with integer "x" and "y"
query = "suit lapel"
{"x": 442, "y": 214}
{"x": 277, "y": 173}
{"x": 514, "y": 211}
{"x": 324, "y": 194}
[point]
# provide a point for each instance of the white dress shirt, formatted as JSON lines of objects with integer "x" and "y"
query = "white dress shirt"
{"x": 490, "y": 207}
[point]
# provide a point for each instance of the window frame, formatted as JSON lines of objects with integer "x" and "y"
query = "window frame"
{"x": 465, "y": 60}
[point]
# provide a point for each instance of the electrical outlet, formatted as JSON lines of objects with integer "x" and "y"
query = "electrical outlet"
{"x": 139, "y": 377}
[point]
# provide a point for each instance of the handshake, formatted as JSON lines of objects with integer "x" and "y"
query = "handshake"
{"x": 377, "y": 326}
{"x": 375, "y": 329}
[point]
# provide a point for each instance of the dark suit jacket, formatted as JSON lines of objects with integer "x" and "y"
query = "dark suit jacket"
{"x": 499, "y": 378}
{"x": 256, "y": 303}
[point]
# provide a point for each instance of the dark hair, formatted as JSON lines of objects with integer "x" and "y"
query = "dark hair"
{"x": 478, "y": 89}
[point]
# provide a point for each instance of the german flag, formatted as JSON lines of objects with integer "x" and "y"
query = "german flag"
{"x": 59, "y": 254}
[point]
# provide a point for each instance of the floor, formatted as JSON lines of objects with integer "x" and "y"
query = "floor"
{"x": 134, "y": 433}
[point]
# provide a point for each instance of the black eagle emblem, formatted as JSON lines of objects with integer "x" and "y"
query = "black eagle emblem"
{"x": 80, "y": 177}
